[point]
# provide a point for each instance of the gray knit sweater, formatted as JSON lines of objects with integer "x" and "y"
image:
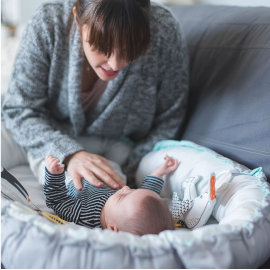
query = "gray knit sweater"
{"x": 146, "y": 102}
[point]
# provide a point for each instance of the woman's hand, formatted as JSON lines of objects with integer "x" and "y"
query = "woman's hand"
{"x": 168, "y": 166}
{"x": 90, "y": 166}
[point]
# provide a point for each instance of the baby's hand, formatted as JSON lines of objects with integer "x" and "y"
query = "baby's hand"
{"x": 168, "y": 166}
{"x": 52, "y": 165}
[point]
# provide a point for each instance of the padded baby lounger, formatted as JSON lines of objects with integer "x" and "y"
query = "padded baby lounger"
{"x": 240, "y": 240}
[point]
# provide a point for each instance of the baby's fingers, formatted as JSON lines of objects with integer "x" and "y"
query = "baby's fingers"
{"x": 175, "y": 165}
{"x": 55, "y": 162}
{"x": 169, "y": 158}
{"x": 165, "y": 164}
{"x": 49, "y": 160}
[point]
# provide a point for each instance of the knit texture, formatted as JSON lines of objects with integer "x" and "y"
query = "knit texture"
{"x": 145, "y": 103}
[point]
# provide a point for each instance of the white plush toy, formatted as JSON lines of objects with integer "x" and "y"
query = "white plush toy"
{"x": 193, "y": 211}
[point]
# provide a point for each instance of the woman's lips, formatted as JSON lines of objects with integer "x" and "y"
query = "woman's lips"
{"x": 109, "y": 73}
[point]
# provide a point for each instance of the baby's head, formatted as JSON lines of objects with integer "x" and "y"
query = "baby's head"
{"x": 138, "y": 211}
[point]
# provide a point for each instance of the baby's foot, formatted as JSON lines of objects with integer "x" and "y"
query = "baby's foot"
{"x": 52, "y": 165}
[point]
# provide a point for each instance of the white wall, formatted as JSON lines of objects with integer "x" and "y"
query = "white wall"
{"x": 236, "y": 2}
{"x": 21, "y": 11}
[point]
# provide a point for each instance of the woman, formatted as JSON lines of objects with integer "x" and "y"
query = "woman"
{"x": 113, "y": 69}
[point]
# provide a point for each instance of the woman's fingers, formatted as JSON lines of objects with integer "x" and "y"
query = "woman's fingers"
{"x": 91, "y": 178}
{"x": 112, "y": 174}
{"x": 105, "y": 177}
{"x": 77, "y": 180}
{"x": 91, "y": 167}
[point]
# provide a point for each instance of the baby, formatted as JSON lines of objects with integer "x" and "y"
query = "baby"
{"x": 138, "y": 211}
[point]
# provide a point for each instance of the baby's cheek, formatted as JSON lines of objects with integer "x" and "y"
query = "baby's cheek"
{"x": 112, "y": 204}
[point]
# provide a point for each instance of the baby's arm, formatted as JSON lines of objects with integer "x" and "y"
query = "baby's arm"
{"x": 154, "y": 181}
{"x": 168, "y": 166}
{"x": 56, "y": 192}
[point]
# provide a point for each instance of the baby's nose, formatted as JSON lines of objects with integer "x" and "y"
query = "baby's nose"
{"x": 125, "y": 189}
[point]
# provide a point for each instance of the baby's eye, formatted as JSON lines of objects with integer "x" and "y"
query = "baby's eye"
{"x": 120, "y": 197}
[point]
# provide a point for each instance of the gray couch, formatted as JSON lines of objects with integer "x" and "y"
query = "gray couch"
{"x": 229, "y": 102}
{"x": 229, "y": 105}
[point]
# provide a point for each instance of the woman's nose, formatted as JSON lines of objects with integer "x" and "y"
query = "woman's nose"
{"x": 115, "y": 63}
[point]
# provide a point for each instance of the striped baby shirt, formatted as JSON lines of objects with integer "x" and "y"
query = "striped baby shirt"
{"x": 84, "y": 207}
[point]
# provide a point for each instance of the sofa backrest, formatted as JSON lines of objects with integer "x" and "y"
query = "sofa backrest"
{"x": 229, "y": 101}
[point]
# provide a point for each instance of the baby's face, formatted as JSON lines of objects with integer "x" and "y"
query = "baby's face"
{"x": 125, "y": 202}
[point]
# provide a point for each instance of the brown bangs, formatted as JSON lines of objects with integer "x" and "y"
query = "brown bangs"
{"x": 121, "y": 25}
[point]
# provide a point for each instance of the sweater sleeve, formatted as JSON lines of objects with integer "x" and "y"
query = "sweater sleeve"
{"x": 25, "y": 108}
{"x": 171, "y": 100}
{"x": 57, "y": 197}
{"x": 153, "y": 183}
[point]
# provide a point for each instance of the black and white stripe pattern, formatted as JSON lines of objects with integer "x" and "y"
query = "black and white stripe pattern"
{"x": 83, "y": 207}
{"x": 153, "y": 183}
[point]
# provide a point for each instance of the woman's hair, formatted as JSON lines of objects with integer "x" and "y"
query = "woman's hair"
{"x": 116, "y": 24}
{"x": 152, "y": 217}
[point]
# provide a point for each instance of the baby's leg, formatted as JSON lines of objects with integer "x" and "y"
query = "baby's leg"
{"x": 37, "y": 166}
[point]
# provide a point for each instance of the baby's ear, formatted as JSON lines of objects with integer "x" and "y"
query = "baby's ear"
{"x": 112, "y": 227}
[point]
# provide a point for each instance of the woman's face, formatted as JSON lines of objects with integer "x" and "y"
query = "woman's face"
{"x": 106, "y": 68}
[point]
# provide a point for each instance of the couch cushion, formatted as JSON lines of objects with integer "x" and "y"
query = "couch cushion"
{"x": 229, "y": 103}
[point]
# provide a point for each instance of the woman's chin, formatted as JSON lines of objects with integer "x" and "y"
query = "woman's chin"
{"x": 106, "y": 78}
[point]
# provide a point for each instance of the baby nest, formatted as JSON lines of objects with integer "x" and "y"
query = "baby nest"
{"x": 239, "y": 237}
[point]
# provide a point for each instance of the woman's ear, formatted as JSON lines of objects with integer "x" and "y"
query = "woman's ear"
{"x": 75, "y": 15}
